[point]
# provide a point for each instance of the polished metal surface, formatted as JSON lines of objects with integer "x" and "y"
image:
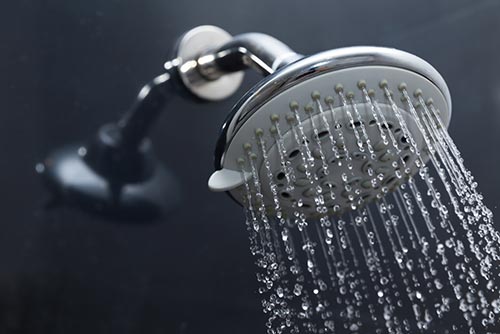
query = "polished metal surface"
{"x": 318, "y": 64}
{"x": 259, "y": 51}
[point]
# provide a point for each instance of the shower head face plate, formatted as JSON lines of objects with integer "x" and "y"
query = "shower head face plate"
{"x": 309, "y": 134}
{"x": 340, "y": 164}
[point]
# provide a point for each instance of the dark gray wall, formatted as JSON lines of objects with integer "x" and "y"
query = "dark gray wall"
{"x": 68, "y": 66}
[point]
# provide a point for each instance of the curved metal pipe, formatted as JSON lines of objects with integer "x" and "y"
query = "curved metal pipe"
{"x": 259, "y": 51}
{"x": 116, "y": 171}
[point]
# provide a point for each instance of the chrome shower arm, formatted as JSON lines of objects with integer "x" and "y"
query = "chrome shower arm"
{"x": 259, "y": 51}
{"x": 252, "y": 50}
{"x": 115, "y": 171}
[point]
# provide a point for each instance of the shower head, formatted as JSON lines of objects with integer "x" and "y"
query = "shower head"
{"x": 327, "y": 130}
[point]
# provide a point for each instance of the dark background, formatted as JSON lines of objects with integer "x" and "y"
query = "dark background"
{"x": 68, "y": 66}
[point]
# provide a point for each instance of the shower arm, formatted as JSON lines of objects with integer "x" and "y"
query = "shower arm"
{"x": 257, "y": 51}
{"x": 117, "y": 170}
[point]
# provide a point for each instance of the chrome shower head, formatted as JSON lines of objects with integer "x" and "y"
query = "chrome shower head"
{"x": 327, "y": 126}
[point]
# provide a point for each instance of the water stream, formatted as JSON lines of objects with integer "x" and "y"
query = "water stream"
{"x": 419, "y": 257}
